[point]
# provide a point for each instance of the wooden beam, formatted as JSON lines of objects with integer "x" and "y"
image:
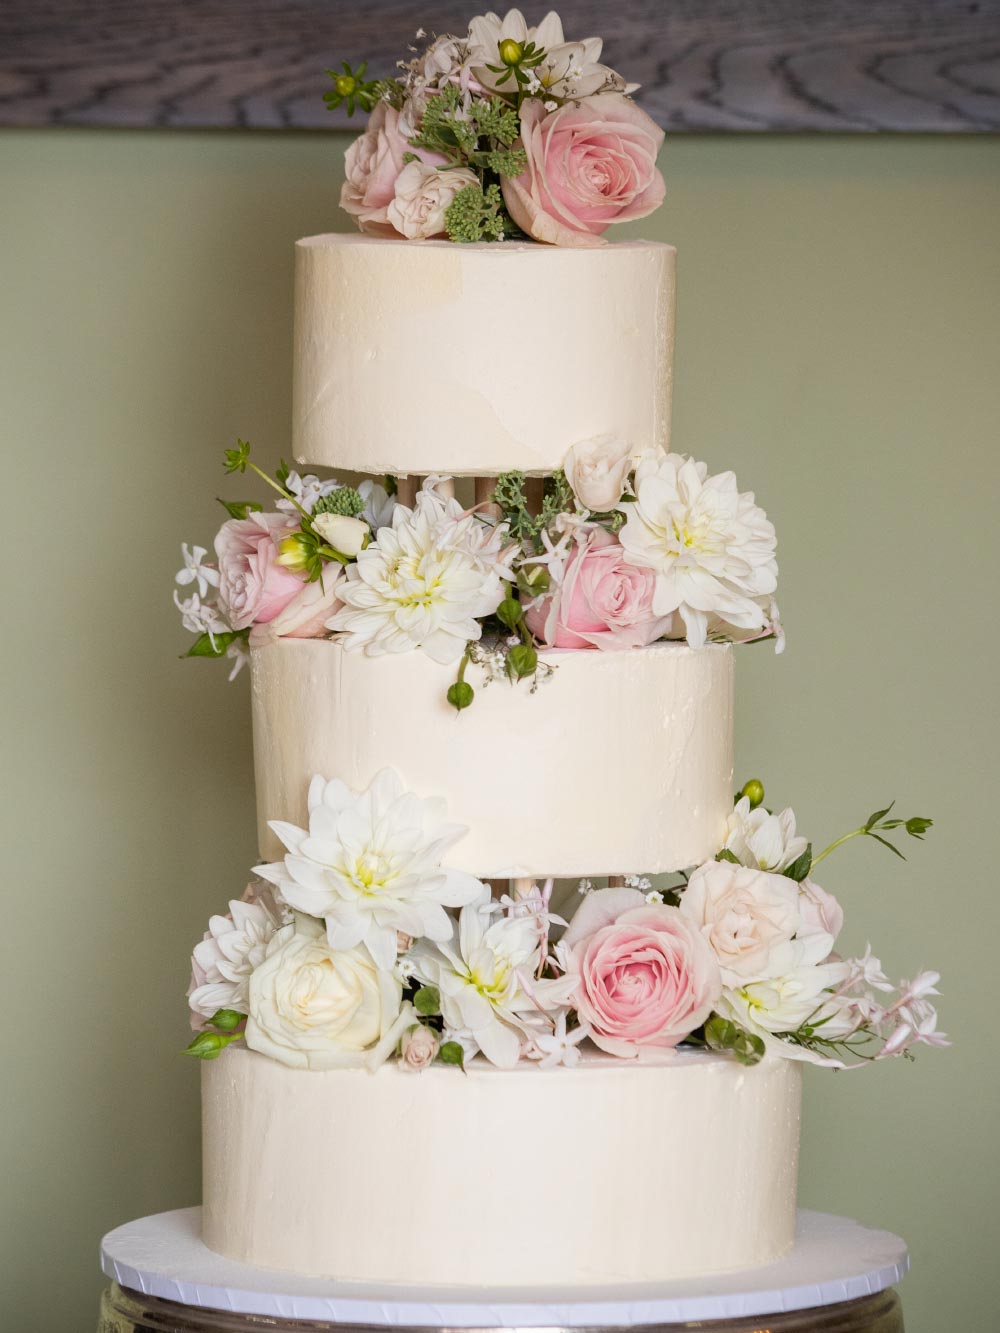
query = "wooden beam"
{"x": 784, "y": 65}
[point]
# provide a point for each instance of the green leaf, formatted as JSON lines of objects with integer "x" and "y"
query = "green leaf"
{"x": 886, "y": 843}
{"x": 226, "y": 1020}
{"x": 727, "y": 855}
{"x": 522, "y": 660}
{"x": 427, "y": 1001}
{"x": 240, "y": 508}
{"x": 204, "y": 647}
{"x": 451, "y": 1053}
{"x": 879, "y": 815}
{"x": 282, "y": 474}
{"x": 509, "y": 612}
{"x": 720, "y": 1033}
{"x": 237, "y": 459}
{"x": 460, "y": 694}
{"x": 209, "y": 1045}
{"x": 533, "y": 580}
{"x": 748, "y": 1048}
{"x": 801, "y": 866}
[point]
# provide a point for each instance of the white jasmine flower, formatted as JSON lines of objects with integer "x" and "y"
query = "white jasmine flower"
{"x": 761, "y": 840}
{"x": 307, "y": 490}
{"x": 559, "y": 1047}
{"x": 370, "y": 865}
{"x": 194, "y": 571}
{"x": 867, "y": 971}
{"x": 424, "y": 582}
{"x": 585, "y": 886}
{"x": 200, "y": 617}
{"x": 464, "y": 1038}
{"x": 379, "y": 504}
{"x": 234, "y": 946}
{"x": 711, "y": 546}
{"x": 238, "y": 653}
{"x": 483, "y": 977}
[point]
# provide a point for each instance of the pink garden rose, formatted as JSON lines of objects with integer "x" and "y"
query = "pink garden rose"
{"x": 589, "y": 164}
{"x": 646, "y": 977}
{"x": 305, "y": 616}
{"x": 819, "y": 911}
{"x": 253, "y": 587}
{"x": 372, "y": 164}
{"x": 602, "y": 601}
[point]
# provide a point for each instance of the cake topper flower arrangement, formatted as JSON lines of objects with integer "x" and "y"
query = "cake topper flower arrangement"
{"x": 362, "y": 945}
{"x": 614, "y": 552}
{"x": 506, "y": 131}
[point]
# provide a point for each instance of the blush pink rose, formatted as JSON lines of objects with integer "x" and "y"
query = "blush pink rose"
{"x": 646, "y": 977}
{"x": 253, "y": 587}
{"x": 590, "y": 164}
{"x": 819, "y": 911}
{"x": 305, "y": 616}
{"x": 602, "y": 601}
{"x": 372, "y": 165}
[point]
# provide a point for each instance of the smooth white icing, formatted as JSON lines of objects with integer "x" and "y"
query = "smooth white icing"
{"x": 416, "y": 357}
{"x": 622, "y": 762}
{"x": 615, "y": 1171}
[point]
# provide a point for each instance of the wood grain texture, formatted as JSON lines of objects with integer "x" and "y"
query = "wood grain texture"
{"x": 753, "y": 65}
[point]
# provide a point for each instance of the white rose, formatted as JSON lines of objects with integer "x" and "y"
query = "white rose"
{"x": 423, "y": 195}
{"x": 346, "y": 535}
{"x": 596, "y": 470}
{"x": 744, "y": 914}
{"x": 313, "y": 1007}
{"x": 419, "y": 1047}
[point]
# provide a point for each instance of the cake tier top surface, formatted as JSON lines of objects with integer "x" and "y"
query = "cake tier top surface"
{"x": 622, "y": 762}
{"x": 419, "y": 357}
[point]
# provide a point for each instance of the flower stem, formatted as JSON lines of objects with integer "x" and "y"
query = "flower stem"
{"x": 838, "y": 842}
{"x": 287, "y": 495}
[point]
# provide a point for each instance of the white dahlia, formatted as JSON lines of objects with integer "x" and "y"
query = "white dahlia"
{"x": 424, "y": 581}
{"x": 370, "y": 865}
{"x": 761, "y": 840}
{"x": 233, "y": 947}
{"x": 710, "y": 545}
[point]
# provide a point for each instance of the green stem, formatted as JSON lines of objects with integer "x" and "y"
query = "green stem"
{"x": 287, "y": 495}
{"x": 838, "y": 842}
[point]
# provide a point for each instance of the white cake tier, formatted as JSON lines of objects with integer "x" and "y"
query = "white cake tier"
{"x": 614, "y": 1171}
{"x": 417, "y": 357}
{"x": 622, "y": 762}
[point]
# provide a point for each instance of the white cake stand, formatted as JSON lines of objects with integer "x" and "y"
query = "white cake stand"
{"x": 834, "y": 1261}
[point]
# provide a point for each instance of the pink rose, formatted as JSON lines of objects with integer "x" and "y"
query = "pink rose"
{"x": 372, "y": 165}
{"x": 305, "y": 616}
{"x": 253, "y": 587}
{"x": 646, "y": 977}
{"x": 819, "y": 911}
{"x": 602, "y": 601}
{"x": 590, "y": 163}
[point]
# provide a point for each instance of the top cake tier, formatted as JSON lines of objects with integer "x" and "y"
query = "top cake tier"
{"x": 471, "y": 360}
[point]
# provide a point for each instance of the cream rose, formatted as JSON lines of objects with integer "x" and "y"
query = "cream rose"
{"x": 746, "y": 915}
{"x": 596, "y": 469}
{"x": 313, "y": 1007}
{"x": 345, "y": 534}
{"x": 422, "y": 197}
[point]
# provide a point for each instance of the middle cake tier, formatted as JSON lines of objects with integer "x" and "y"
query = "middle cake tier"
{"x": 619, "y": 763}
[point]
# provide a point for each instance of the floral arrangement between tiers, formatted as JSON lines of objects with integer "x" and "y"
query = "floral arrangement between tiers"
{"x": 618, "y": 550}
{"x": 361, "y": 945}
{"x": 509, "y": 131}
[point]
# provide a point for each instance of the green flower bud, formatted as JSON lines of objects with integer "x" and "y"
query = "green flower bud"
{"x": 509, "y": 612}
{"x": 522, "y": 660}
{"x": 345, "y": 84}
{"x": 460, "y": 694}
{"x": 208, "y": 1045}
{"x": 754, "y": 792}
{"x": 294, "y": 552}
{"x": 511, "y": 52}
{"x": 226, "y": 1020}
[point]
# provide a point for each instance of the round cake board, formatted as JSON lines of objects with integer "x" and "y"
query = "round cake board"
{"x": 833, "y": 1260}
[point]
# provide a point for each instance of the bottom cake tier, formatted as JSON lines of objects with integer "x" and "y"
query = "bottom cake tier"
{"x": 612, "y": 1171}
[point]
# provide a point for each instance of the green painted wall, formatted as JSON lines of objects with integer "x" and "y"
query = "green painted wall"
{"x": 838, "y": 347}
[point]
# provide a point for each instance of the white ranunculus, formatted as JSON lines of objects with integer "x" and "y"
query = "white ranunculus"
{"x": 484, "y": 979}
{"x": 314, "y": 1007}
{"x": 424, "y": 581}
{"x": 800, "y": 991}
{"x": 596, "y": 470}
{"x": 746, "y": 915}
{"x": 345, "y": 534}
{"x": 370, "y": 865}
{"x": 569, "y": 70}
{"x": 761, "y": 840}
{"x": 423, "y": 195}
{"x": 234, "y": 945}
{"x": 710, "y": 545}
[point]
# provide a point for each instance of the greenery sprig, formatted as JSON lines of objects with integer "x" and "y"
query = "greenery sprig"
{"x": 877, "y": 824}
{"x": 510, "y": 494}
{"x": 351, "y": 88}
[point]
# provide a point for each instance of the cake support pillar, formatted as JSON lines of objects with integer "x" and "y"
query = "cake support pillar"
{"x": 838, "y": 1278}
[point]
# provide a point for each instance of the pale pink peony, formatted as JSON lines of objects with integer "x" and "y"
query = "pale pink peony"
{"x": 372, "y": 165}
{"x": 646, "y": 977}
{"x": 305, "y": 616}
{"x": 590, "y": 164}
{"x": 253, "y": 587}
{"x": 601, "y": 602}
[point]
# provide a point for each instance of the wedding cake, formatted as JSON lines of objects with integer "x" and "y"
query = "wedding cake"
{"x": 521, "y": 991}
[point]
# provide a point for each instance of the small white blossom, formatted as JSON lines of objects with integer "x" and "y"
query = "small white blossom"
{"x": 239, "y": 654}
{"x": 639, "y": 882}
{"x": 585, "y": 886}
{"x": 654, "y": 896}
{"x": 307, "y": 490}
{"x": 558, "y": 1047}
{"x": 200, "y": 617}
{"x": 379, "y": 505}
{"x": 194, "y": 571}
{"x": 867, "y": 971}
